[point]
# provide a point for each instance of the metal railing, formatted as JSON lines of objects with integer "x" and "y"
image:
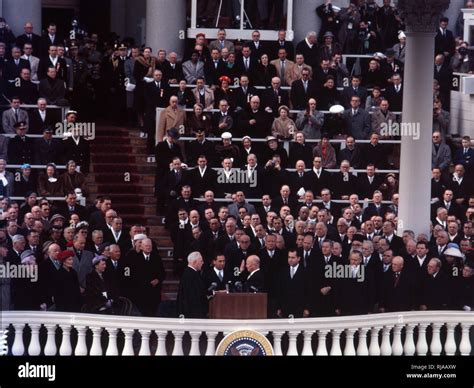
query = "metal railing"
{"x": 64, "y": 109}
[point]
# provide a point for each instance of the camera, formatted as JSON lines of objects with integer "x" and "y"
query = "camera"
{"x": 463, "y": 51}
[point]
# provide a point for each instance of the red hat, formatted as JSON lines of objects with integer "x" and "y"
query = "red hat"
{"x": 201, "y": 34}
{"x": 65, "y": 254}
{"x": 224, "y": 78}
{"x": 69, "y": 244}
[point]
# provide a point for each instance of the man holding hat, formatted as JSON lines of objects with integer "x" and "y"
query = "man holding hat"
{"x": 21, "y": 147}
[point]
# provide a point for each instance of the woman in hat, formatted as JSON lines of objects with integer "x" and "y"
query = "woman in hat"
{"x": 72, "y": 179}
{"x": 329, "y": 47}
{"x": 265, "y": 72}
{"x": 24, "y": 290}
{"x": 390, "y": 186}
{"x": 283, "y": 127}
{"x": 100, "y": 294}
{"x": 198, "y": 120}
{"x": 67, "y": 295}
{"x": 145, "y": 65}
{"x": 48, "y": 183}
{"x": 310, "y": 121}
{"x": 226, "y": 149}
{"x": 273, "y": 147}
{"x": 223, "y": 92}
{"x": 326, "y": 151}
{"x": 334, "y": 124}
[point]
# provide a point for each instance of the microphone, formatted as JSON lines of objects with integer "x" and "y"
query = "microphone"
{"x": 238, "y": 286}
{"x": 212, "y": 287}
{"x": 254, "y": 289}
{"x": 227, "y": 286}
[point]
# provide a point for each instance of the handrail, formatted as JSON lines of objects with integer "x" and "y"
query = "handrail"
{"x": 32, "y": 136}
{"x": 35, "y": 166}
{"x": 315, "y": 202}
{"x": 260, "y": 140}
{"x": 82, "y": 201}
{"x": 352, "y": 171}
{"x": 368, "y": 327}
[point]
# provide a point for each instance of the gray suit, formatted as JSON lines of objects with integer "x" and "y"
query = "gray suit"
{"x": 83, "y": 267}
{"x": 34, "y": 63}
{"x": 234, "y": 209}
{"x": 378, "y": 118}
{"x": 359, "y": 124}
{"x": 216, "y": 44}
{"x": 442, "y": 159}
{"x": 9, "y": 119}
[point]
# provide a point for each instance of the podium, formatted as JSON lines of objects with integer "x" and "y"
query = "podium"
{"x": 238, "y": 306}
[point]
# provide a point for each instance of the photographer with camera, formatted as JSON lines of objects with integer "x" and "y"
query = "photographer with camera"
{"x": 330, "y": 21}
{"x": 368, "y": 39}
{"x": 368, "y": 12}
{"x": 462, "y": 61}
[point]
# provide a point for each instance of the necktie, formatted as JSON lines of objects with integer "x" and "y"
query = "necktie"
{"x": 222, "y": 44}
{"x": 305, "y": 261}
{"x": 397, "y": 279}
{"x": 221, "y": 276}
{"x": 282, "y": 72}
{"x": 305, "y": 83}
{"x": 115, "y": 263}
{"x": 354, "y": 272}
{"x": 292, "y": 272}
{"x": 16, "y": 115}
{"x": 147, "y": 257}
{"x": 246, "y": 63}
{"x": 56, "y": 263}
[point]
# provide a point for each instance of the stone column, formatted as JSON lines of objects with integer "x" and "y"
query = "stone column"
{"x": 118, "y": 17}
{"x": 166, "y": 25}
{"x": 421, "y": 18}
{"x": 18, "y": 12}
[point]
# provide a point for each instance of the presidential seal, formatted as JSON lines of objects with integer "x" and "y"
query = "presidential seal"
{"x": 245, "y": 343}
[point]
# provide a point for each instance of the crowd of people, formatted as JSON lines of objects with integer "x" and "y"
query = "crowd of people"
{"x": 318, "y": 206}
